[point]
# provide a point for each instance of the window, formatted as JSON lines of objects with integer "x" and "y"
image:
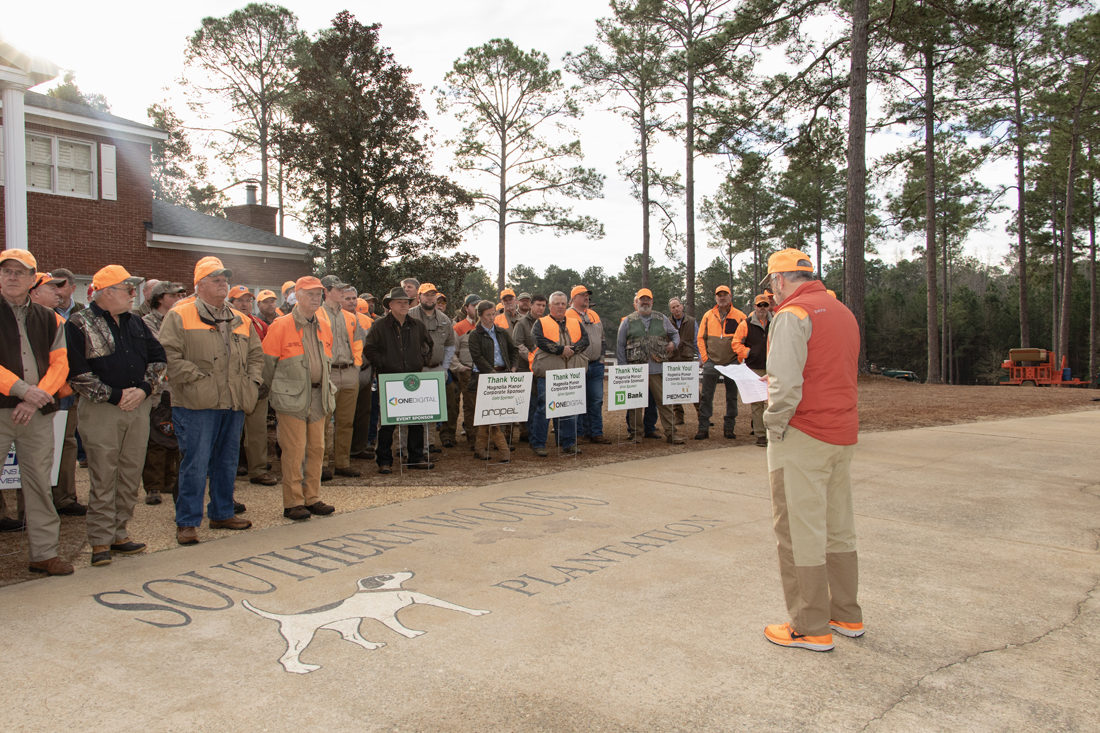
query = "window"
{"x": 57, "y": 165}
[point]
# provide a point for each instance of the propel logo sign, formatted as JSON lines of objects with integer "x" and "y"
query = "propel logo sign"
{"x": 500, "y": 412}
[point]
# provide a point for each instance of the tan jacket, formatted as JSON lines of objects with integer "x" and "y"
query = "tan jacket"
{"x": 201, "y": 376}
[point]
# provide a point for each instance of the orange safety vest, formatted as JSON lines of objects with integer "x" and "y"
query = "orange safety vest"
{"x": 349, "y": 323}
{"x": 284, "y": 340}
{"x": 552, "y": 333}
{"x": 192, "y": 321}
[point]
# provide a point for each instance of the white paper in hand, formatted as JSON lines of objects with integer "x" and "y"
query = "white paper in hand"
{"x": 749, "y": 384}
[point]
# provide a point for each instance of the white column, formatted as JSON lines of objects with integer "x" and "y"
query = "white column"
{"x": 15, "y": 166}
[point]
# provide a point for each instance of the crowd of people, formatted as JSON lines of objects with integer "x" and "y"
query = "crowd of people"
{"x": 175, "y": 394}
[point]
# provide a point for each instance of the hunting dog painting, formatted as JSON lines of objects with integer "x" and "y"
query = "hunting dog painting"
{"x": 379, "y": 597}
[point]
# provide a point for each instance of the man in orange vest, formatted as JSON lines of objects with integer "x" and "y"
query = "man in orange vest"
{"x": 715, "y": 341}
{"x": 360, "y": 445}
{"x": 215, "y": 369}
{"x": 561, "y": 343}
{"x": 288, "y": 301}
{"x": 297, "y": 363}
{"x": 812, "y": 423}
{"x": 751, "y": 344}
{"x": 254, "y": 435}
{"x": 591, "y": 422}
{"x": 507, "y": 319}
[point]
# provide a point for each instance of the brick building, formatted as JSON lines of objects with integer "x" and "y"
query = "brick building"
{"x": 89, "y": 203}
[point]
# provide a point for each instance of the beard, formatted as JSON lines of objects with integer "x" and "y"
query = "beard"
{"x": 645, "y": 310}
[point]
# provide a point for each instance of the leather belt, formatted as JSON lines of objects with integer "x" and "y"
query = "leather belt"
{"x": 342, "y": 366}
{"x": 316, "y": 385}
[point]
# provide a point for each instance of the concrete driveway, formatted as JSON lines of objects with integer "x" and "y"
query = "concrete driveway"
{"x": 629, "y": 597}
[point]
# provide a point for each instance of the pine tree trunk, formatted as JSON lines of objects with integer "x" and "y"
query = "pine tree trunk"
{"x": 689, "y": 190}
{"x": 934, "y": 374}
{"x": 855, "y": 223}
{"x": 643, "y": 132}
{"x": 1021, "y": 187}
{"x": 502, "y": 207}
{"x": 1094, "y": 307}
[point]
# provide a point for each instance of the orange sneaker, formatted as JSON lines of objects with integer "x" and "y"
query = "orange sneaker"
{"x": 846, "y": 629}
{"x": 784, "y": 635}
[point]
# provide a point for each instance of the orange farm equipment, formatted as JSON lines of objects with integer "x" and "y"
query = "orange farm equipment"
{"x": 1036, "y": 368}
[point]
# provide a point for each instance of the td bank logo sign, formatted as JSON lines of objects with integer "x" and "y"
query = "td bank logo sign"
{"x": 620, "y": 398}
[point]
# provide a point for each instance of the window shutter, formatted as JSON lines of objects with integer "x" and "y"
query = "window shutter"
{"x": 109, "y": 190}
{"x": 1, "y": 158}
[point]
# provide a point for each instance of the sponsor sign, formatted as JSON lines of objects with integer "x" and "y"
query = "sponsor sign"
{"x": 565, "y": 393}
{"x": 680, "y": 380}
{"x": 412, "y": 397}
{"x": 9, "y": 478}
{"x": 627, "y": 386}
{"x": 502, "y": 397}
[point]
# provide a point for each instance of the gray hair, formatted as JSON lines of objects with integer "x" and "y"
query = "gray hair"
{"x": 796, "y": 275}
{"x": 350, "y": 288}
{"x": 555, "y": 294}
{"x": 672, "y": 299}
{"x": 412, "y": 280}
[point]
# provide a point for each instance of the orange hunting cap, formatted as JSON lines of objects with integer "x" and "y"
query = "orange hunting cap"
{"x": 307, "y": 283}
{"x": 45, "y": 277}
{"x": 113, "y": 275}
{"x": 506, "y": 292}
{"x": 264, "y": 295}
{"x": 21, "y": 256}
{"x": 361, "y": 306}
{"x": 644, "y": 293}
{"x": 761, "y": 300}
{"x": 288, "y": 285}
{"x": 721, "y": 289}
{"x": 788, "y": 260}
{"x": 426, "y": 288}
{"x": 208, "y": 266}
{"x": 579, "y": 290}
{"x": 239, "y": 291}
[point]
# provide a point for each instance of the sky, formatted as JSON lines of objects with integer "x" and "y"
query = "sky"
{"x": 131, "y": 52}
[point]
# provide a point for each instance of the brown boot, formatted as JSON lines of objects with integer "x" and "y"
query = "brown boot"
{"x": 187, "y": 535}
{"x": 231, "y": 523}
{"x": 502, "y": 445}
{"x": 101, "y": 555}
{"x": 53, "y": 566}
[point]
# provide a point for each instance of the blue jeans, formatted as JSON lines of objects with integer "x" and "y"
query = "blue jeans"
{"x": 565, "y": 428}
{"x": 210, "y": 443}
{"x": 590, "y": 424}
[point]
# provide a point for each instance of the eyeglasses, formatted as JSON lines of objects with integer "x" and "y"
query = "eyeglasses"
{"x": 9, "y": 272}
{"x": 130, "y": 289}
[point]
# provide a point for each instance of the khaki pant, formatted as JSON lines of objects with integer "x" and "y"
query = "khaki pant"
{"x": 34, "y": 450}
{"x": 758, "y": 408}
{"x": 664, "y": 412}
{"x": 255, "y": 439}
{"x": 115, "y": 443}
{"x": 815, "y": 532}
{"x": 303, "y": 447}
{"x": 485, "y": 433}
{"x": 338, "y": 442}
{"x": 359, "y": 441}
{"x": 64, "y": 494}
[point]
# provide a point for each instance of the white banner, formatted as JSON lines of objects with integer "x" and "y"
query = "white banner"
{"x": 565, "y": 393}
{"x": 502, "y": 397}
{"x": 680, "y": 382}
{"x": 9, "y": 479}
{"x": 627, "y": 387}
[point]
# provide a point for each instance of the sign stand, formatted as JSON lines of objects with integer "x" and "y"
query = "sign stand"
{"x": 408, "y": 399}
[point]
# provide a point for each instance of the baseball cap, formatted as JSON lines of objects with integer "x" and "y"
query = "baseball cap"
{"x": 113, "y": 275}
{"x": 579, "y": 290}
{"x": 367, "y": 297}
{"x": 333, "y": 282}
{"x": 721, "y": 289}
{"x": 442, "y": 297}
{"x": 44, "y": 277}
{"x": 788, "y": 260}
{"x": 239, "y": 291}
{"x": 307, "y": 283}
{"x": 361, "y": 306}
{"x": 164, "y": 287}
{"x": 506, "y": 292}
{"x": 523, "y": 296}
{"x": 288, "y": 285}
{"x": 644, "y": 292}
{"x": 472, "y": 299}
{"x": 21, "y": 256}
{"x": 426, "y": 288}
{"x": 761, "y": 300}
{"x": 264, "y": 295}
{"x": 208, "y": 266}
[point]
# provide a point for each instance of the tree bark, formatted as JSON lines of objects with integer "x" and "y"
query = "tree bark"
{"x": 855, "y": 222}
{"x": 502, "y": 206}
{"x": 1094, "y": 306}
{"x": 643, "y": 132}
{"x": 1021, "y": 229}
{"x": 934, "y": 374}
{"x": 689, "y": 189}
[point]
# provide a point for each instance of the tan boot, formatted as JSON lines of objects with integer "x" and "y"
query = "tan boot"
{"x": 502, "y": 445}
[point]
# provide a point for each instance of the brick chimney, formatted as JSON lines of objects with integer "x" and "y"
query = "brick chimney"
{"x": 252, "y": 214}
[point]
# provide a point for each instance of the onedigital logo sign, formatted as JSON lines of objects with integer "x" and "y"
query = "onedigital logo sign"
{"x": 565, "y": 403}
{"x": 395, "y": 401}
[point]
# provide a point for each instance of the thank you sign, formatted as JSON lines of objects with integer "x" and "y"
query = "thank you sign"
{"x": 565, "y": 393}
{"x": 628, "y": 386}
{"x": 412, "y": 397}
{"x": 680, "y": 382}
{"x": 502, "y": 397}
{"x": 9, "y": 477}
